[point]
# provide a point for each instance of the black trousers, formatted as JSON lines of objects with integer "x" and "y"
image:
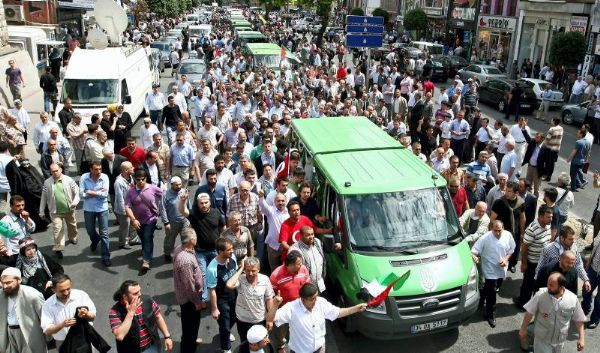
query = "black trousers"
{"x": 226, "y": 320}
{"x": 528, "y": 285}
{"x": 514, "y": 258}
{"x": 489, "y": 295}
{"x": 190, "y": 323}
{"x": 551, "y": 158}
{"x": 243, "y": 327}
{"x": 458, "y": 147}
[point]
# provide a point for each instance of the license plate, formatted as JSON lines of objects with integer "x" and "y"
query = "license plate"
{"x": 525, "y": 106}
{"x": 429, "y": 326}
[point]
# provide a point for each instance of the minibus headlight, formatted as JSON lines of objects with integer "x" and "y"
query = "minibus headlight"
{"x": 472, "y": 283}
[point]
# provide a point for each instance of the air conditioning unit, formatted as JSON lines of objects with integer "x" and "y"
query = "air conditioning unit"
{"x": 14, "y": 13}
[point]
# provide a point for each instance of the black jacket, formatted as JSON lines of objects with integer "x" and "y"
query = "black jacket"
{"x": 40, "y": 278}
{"x": 65, "y": 116}
{"x": 121, "y": 135}
{"x": 115, "y": 171}
{"x": 145, "y": 167}
{"x": 259, "y": 164}
{"x": 81, "y": 337}
{"x": 541, "y": 158}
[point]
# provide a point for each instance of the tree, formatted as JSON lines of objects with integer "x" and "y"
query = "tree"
{"x": 379, "y": 12}
{"x": 357, "y": 11}
{"x": 272, "y": 5}
{"x": 567, "y": 49}
{"x": 415, "y": 20}
{"x": 323, "y": 9}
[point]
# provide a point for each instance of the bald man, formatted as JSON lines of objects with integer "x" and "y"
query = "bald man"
{"x": 565, "y": 266}
{"x": 553, "y": 307}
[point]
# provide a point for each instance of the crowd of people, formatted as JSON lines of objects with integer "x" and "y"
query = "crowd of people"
{"x": 249, "y": 248}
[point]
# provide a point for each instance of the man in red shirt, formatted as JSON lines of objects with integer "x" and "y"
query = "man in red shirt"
{"x": 428, "y": 86}
{"x": 134, "y": 154}
{"x": 290, "y": 228}
{"x": 287, "y": 279}
{"x": 460, "y": 199}
{"x": 341, "y": 72}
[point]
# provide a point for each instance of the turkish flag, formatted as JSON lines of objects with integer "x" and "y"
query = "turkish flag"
{"x": 383, "y": 295}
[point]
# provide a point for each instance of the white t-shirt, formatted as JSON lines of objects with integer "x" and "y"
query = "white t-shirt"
{"x": 491, "y": 251}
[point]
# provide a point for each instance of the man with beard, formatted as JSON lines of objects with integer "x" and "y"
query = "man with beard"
{"x": 218, "y": 192}
{"x": 510, "y": 209}
{"x": 20, "y": 313}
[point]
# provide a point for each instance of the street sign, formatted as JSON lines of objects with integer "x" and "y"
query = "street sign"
{"x": 364, "y": 29}
{"x": 364, "y": 40}
{"x": 351, "y": 19}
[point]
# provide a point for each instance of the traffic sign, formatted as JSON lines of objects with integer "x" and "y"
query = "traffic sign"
{"x": 364, "y": 29}
{"x": 364, "y": 40}
{"x": 351, "y": 19}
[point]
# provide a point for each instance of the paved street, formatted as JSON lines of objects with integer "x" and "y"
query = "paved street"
{"x": 474, "y": 336}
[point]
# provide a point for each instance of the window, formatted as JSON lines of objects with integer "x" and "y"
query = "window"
{"x": 124, "y": 90}
{"x": 90, "y": 91}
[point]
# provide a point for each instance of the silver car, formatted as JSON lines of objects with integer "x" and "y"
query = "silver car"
{"x": 194, "y": 69}
{"x": 538, "y": 87}
{"x": 481, "y": 72}
{"x": 576, "y": 113}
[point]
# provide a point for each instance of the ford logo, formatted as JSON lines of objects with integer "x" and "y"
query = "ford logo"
{"x": 430, "y": 303}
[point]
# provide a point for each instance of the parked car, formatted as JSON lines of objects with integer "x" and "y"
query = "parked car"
{"x": 453, "y": 63}
{"x": 576, "y": 113}
{"x": 538, "y": 87}
{"x": 165, "y": 50}
{"x": 379, "y": 53}
{"x": 195, "y": 69}
{"x": 483, "y": 73}
{"x": 414, "y": 53}
{"x": 439, "y": 72}
{"x": 495, "y": 93}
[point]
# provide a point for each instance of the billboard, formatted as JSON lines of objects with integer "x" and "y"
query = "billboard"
{"x": 463, "y": 13}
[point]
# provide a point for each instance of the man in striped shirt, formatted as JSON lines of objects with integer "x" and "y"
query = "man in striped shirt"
{"x": 135, "y": 320}
{"x": 552, "y": 251}
{"x": 537, "y": 236}
{"x": 553, "y": 140}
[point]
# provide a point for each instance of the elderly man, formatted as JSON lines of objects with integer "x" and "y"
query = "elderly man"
{"x": 20, "y": 315}
{"x": 77, "y": 132}
{"x": 188, "y": 285}
{"x": 255, "y": 295}
{"x": 61, "y": 195}
{"x": 475, "y": 222}
{"x": 239, "y": 235}
{"x": 553, "y": 307}
{"x": 493, "y": 250}
{"x": 170, "y": 203}
{"x": 124, "y": 182}
{"x": 257, "y": 341}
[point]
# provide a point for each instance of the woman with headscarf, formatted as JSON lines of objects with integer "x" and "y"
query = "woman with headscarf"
{"x": 36, "y": 268}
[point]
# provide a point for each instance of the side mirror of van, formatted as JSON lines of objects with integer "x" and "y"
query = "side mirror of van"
{"x": 127, "y": 100}
{"x": 328, "y": 243}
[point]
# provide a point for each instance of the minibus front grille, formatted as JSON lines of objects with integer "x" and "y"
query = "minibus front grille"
{"x": 429, "y": 304}
{"x": 419, "y": 261}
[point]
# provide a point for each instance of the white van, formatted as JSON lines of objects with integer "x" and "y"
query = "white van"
{"x": 432, "y": 48}
{"x": 97, "y": 78}
{"x": 35, "y": 41}
{"x": 196, "y": 31}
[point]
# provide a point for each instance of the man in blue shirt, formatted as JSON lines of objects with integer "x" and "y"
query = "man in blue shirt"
{"x": 459, "y": 130}
{"x": 93, "y": 187}
{"x": 182, "y": 158}
{"x": 218, "y": 193}
{"x": 579, "y": 155}
{"x": 222, "y": 299}
{"x": 481, "y": 168}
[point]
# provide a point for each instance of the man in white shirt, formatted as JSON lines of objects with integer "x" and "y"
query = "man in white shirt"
{"x": 179, "y": 98}
{"x": 147, "y": 130}
{"x": 306, "y": 317}
{"x": 155, "y": 102}
{"x": 493, "y": 250}
{"x": 510, "y": 161}
{"x": 59, "y": 311}
{"x": 577, "y": 90}
{"x": 518, "y": 132}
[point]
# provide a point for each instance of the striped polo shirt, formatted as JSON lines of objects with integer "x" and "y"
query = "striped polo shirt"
{"x": 536, "y": 237}
{"x": 145, "y": 338}
{"x": 554, "y": 138}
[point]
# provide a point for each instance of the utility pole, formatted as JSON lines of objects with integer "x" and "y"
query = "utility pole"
{"x": 3, "y": 27}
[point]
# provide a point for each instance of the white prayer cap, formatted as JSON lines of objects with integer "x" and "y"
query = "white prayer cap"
{"x": 257, "y": 333}
{"x": 14, "y": 272}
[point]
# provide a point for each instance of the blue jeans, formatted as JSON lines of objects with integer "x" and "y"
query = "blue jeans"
{"x": 204, "y": 257}
{"x": 576, "y": 173}
{"x": 156, "y": 117}
{"x": 260, "y": 246}
{"x": 586, "y": 304}
{"x": 146, "y": 234}
{"x": 101, "y": 234}
{"x": 226, "y": 321}
{"x": 48, "y": 101}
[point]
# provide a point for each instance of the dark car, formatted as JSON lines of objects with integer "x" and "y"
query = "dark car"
{"x": 452, "y": 63}
{"x": 439, "y": 72}
{"x": 495, "y": 93}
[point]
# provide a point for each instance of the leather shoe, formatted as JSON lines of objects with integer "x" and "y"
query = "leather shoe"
{"x": 125, "y": 247}
{"x": 512, "y": 269}
{"x": 591, "y": 325}
{"x": 492, "y": 322}
{"x": 74, "y": 241}
{"x": 106, "y": 263}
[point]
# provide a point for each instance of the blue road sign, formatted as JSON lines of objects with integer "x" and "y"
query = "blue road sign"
{"x": 364, "y": 29}
{"x": 364, "y": 40}
{"x": 351, "y": 19}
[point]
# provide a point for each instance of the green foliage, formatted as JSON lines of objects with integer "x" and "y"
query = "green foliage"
{"x": 567, "y": 49}
{"x": 168, "y": 8}
{"x": 272, "y": 5}
{"x": 379, "y": 12}
{"x": 415, "y": 20}
{"x": 357, "y": 11}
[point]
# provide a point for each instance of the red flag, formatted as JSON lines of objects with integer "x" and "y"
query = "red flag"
{"x": 383, "y": 295}
{"x": 283, "y": 52}
{"x": 217, "y": 53}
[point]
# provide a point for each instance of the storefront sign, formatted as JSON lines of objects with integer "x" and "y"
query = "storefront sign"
{"x": 77, "y": 4}
{"x": 506, "y": 24}
{"x": 432, "y": 11}
{"x": 466, "y": 14}
{"x": 579, "y": 23}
